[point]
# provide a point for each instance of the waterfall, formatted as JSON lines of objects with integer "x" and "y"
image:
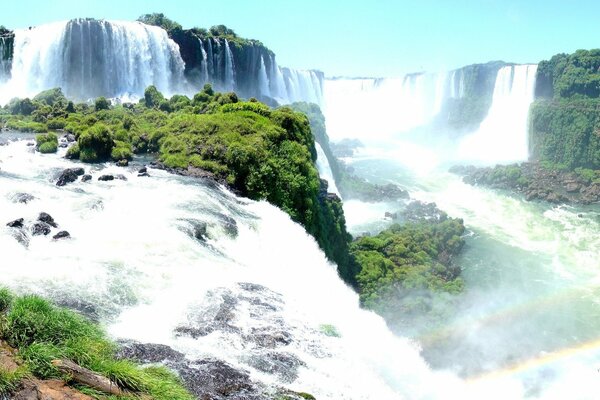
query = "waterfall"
{"x": 502, "y": 136}
{"x": 90, "y": 58}
{"x": 5, "y": 58}
{"x": 278, "y": 89}
{"x": 210, "y": 58}
{"x": 229, "y": 68}
{"x": 357, "y": 107}
{"x": 263, "y": 80}
{"x": 325, "y": 170}
{"x": 457, "y": 86}
{"x": 203, "y": 63}
{"x": 151, "y": 277}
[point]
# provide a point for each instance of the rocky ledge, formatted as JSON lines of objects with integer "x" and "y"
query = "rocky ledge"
{"x": 536, "y": 182}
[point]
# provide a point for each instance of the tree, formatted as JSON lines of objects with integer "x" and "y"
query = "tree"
{"x": 159, "y": 19}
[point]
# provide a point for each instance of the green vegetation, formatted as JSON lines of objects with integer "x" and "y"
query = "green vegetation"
{"x": 43, "y": 332}
{"x": 263, "y": 153}
{"x": 566, "y": 132}
{"x": 159, "y": 19}
{"x": 329, "y": 330}
{"x": 401, "y": 267}
{"x": 47, "y": 143}
{"x": 566, "y": 120}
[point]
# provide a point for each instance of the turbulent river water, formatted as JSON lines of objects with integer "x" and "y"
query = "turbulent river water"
{"x": 529, "y": 316}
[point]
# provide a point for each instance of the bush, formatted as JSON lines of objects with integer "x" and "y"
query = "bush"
{"x": 47, "y": 143}
{"x": 51, "y": 97}
{"x": 73, "y": 152}
{"x": 95, "y": 144}
{"x": 6, "y": 299}
{"x": 121, "y": 151}
{"x": 101, "y": 103}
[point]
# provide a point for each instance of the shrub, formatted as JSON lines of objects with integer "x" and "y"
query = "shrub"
{"x": 101, "y": 103}
{"x": 47, "y": 143}
{"x": 121, "y": 151}
{"x": 95, "y": 144}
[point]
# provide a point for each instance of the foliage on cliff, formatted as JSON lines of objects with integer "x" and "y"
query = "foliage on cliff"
{"x": 401, "y": 268}
{"x": 566, "y": 132}
{"x": 263, "y": 153}
{"x": 42, "y": 332}
{"x": 565, "y": 120}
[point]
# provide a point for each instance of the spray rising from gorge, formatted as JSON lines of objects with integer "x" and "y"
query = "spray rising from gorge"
{"x": 174, "y": 260}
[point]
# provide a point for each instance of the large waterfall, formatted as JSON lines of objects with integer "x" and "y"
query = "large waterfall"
{"x": 394, "y": 114}
{"x": 393, "y": 105}
{"x": 252, "y": 71}
{"x": 502, "y": 136}
{"x": 90, "y": 58}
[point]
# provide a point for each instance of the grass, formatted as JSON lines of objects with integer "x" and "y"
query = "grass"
{"x": 43, "y": 332}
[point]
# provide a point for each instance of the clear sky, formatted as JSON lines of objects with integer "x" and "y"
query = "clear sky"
{"x": 362, "y": 38}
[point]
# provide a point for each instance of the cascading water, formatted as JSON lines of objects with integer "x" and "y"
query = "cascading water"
{"x": 5, "y": 58}
{"x": 277, "y": 81}
{"x": 325, "y": 170}
{"x": 229, "y": 67}
{"x": 263, "y": 80}
{"x": 90, "y": 58}
{"x": 528, "y": 311}
{"x": 394, "y": 106}
{"x": 502, "y": 136}
{"x": 132, "y": 256}
{"x": 204, "y": 63}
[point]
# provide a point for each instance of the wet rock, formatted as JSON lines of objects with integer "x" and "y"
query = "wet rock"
{"x": 418, "y": 211}
{"x": 17, "y": 223}
{"x": 40, "y": 228}
{"x": 196, "y": 229}
{"x": 45, "y": 217}
{"x": 85, "y": 308}
{"x": 106, "y": 178}
{"x": 142, "y": 170}
{"x": 123, "y": 163}
{"x": 21, "y": 236}
{"x": 70, "y": 137}
{"x": 61, "y": 235}
{"x": 69, "y": 175}
{"x": 283, "y": 365}
{"x": 86, "y": 178}
{"x": 121, "y": 177}
{"x": 23, "y": 198}
{"x": 215, "y": 379}
{"x": 148, "y": 353}
{"x": 143, "y": 174}
{"x": 268, "y": 337}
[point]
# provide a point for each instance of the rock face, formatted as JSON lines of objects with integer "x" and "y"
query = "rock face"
{"x": 534, "y": 182}
{"x": 69, "y": 175}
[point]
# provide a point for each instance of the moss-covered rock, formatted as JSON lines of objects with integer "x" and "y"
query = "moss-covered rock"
{"x": 47, "y": 143}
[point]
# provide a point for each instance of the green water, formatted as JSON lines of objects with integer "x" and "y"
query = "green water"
{"x": 532, "y": 275}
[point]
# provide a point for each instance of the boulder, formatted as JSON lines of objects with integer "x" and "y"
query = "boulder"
{"x": 69, "y": 175}
{"x": 45, "y": 217}
{"x": 123, "y": 163}
{"x": 40, "y": 228}
{"x": 86, "y": 178}
{"x": 106, "y": 178}
{"x": 23, "y": 198}
{"x": 17, "y": 223}
{"x": 61, "y": 235}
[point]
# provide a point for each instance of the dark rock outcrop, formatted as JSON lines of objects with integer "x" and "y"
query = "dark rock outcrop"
{"x": 69, "y": 175}
{"x": 17, "y": 223}
{"x": 47, "y": 218}
{"x": 40, "y": 228}
{"x": 106, "y": 178}
{"x": 535, "y": 182}
{"x": 61, "y": 235}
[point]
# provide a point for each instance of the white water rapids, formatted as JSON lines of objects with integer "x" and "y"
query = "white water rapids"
{"x": 130, "y": 259}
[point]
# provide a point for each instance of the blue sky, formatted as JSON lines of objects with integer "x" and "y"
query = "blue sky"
{"x": 362, "y": 38}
